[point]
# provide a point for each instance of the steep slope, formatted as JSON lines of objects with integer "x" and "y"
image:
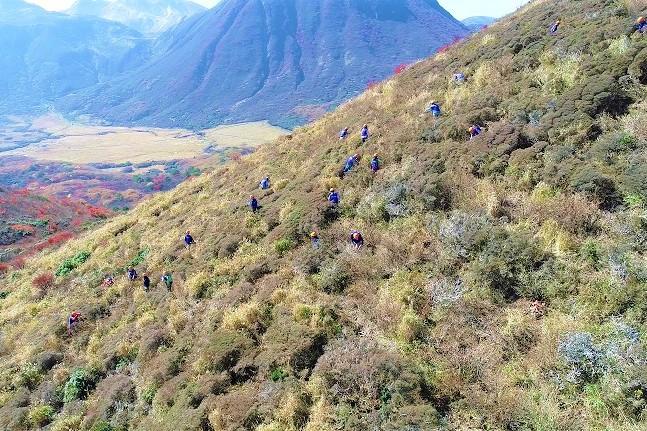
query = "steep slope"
{"x": 281, "y": 60}
{"x": 501, "y": 285}
{"x": 45, "y": 55}
{"x": 145, "y": 16}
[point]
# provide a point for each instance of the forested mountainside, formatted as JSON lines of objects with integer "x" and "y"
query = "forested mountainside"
{"x": 501, "y": 283}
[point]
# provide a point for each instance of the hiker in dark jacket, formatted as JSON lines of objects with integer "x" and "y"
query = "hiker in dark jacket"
{"x": 132, "y": 274}
{"x": 356, "y": 239}
{"x": 375, "y": 163}
{"x": 147, "y": 282}
{"x": 253, "y": 204}
{"x": 168, "y": 281}
{"x": 188, "y": 240}
{"x": 72, "y": 321}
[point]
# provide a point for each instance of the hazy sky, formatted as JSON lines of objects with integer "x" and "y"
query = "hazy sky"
{"x": 460, "y": 8}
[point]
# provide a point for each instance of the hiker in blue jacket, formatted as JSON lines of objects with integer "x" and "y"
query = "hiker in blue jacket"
{"x": 375, "y": 163}
{"x": 555, "y": 26}
{"x": 365, "y": 133}
{"x": 434, "y": 108}
{"x": 333, "y": 197}
{"x": 265, "y": 183}
{"x": 474, "y": 131}
{"x": 343, "y": 134}
{"x": 641, "y": 25}
{"x": 351, "y": 162}
{"x": 188, "y": 240}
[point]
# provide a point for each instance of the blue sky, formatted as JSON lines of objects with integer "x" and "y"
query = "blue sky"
{"x": 459, "y": 8}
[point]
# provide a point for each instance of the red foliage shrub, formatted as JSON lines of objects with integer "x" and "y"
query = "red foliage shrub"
{"x": 400, "y": 68}
{"x": 43, "y": 281}
{"x": 24, "y": 228}
{"x": 18, "y": 262}
{"x": 235, "y": 157}
{"x": 4, "y": 268}
{"x": 56, "y": 239}
{"x": 98, "y": 212}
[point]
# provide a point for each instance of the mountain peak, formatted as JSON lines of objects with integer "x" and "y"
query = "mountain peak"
{"x": 277, "y": 60}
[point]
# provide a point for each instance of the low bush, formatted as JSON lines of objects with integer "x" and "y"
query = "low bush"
{"x": 282, "y": 246}
{"x": 586, "y": 362}
{"x": 69, "y": 265}
{"x": 102, "y": 425}
{"x": 43, "y": 281}
{"x": 79, "y": 384}
{"x": 333, "y": 277}
{"x": 29, "y": 375}
{"x": 40, "y": 416}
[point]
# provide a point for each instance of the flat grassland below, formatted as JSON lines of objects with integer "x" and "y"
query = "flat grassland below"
{"x": 75, "y": 143}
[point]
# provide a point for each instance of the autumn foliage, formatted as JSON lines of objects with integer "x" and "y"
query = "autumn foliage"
{"x": 43, "y": 281}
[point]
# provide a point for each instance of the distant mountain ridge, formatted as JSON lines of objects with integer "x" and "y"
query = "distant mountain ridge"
{"x": 145, "y": 16}
{"x": 280, "y": 60}
{"x": 476, "y": 23}
{"x": 46, "y": 55}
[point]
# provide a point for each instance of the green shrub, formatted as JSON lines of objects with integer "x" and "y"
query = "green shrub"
{"x": 278, "y": 374}
{"x": 69, "y": 265}
{"x": 39, "y": 416}
{"x": 139, "y": 259}
{"x": 102, "y": 425}
{"x": 601, "y": 187}
{"x": 192, "y": 171}
{"x": 149, "y": 393}
{"x": 67, "y": 423}
{"x": 29, "y": 375}
{"x": 284, "y": 245}
{"x": 79, "y": 385}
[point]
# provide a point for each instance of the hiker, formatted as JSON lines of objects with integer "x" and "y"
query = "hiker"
{"x": 375, "y": 163}
{"x": 314, "y": 239}
{"x": 168, "y": 281}
{"x": 365, "y": 133}
{"x": 333, "y": 197}
{"x": 641, "y": 25}
{"x": 555, "y": 26}
{"x": 73, "y": 321}
{"x": 147, "y": 282}
{"x": 188, "y": 240}
{"x": 356, "y": 239}
{"x": 459, "y": 78}
{"x": 475, "y": 130}
{"x": 265, "y": 183}
{"x": 108, "y": 281}
{"x": 343, "y": 134}
{"x": 253, "y": 204}
{"x": 434, "y": 108}
{"x": 132, "y": 274}
{"x": 350, "y": 163}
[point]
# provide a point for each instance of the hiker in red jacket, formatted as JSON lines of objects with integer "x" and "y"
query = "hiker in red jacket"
{"x": 72, "y": 321}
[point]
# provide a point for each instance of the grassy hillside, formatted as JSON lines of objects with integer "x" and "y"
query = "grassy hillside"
{"x": 502, "y": 285}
